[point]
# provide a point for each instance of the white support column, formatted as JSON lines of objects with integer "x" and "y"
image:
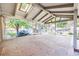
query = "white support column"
{"x": 55, "y": 25}
{"x": 75, "y": 27}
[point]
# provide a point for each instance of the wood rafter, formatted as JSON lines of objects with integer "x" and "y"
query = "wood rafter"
{"x": 47, "y": 19}
{"x": 44, "y": 8}
{"x": 60, "y": 6}
{"x": 63, "y": 15}
{"x": 58, "y": 21}
{"x": 43, "y": 16}
{"x": 15, "y": 9}
{"x": 77, "y": 16}
{"x": 61, "y": 11}
{"x": 37, "y": 14}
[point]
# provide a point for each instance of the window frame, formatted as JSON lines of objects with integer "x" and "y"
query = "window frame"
{"x": 20, "y": 7}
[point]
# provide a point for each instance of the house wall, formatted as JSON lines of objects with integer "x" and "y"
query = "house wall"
{"x": 1, "y": 28}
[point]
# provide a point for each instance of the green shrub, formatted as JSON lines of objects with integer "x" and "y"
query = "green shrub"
{"x": 11, "y": 34}
{"x": 70, "y": 33}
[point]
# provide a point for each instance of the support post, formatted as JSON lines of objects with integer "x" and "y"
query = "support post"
{"x": 1, "y": 28}
{"x": 55, "y": 25}
{"x": 75, "y": 28}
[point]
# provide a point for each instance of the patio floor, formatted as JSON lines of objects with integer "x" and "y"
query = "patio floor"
{"x": 38, "y": 45}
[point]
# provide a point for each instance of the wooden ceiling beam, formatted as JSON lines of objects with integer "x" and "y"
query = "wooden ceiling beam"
{"x": 43, "y": 16}
{"x": 61, "y": 11}
{"x": 63, "y": 15}
{"x": 69, "y": 14}
{"x": 45, "y": 9}
{"x": 37, "y": 14}
{"x": 47, "y": 18}
{"x": 77, "y": 16}
{"x": 15, "y": 9}
{"x": 58, "y": 21}
{"x": 60, "y": 6}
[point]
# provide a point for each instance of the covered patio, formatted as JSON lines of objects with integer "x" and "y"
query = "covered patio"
{"x": 47, "y": 38}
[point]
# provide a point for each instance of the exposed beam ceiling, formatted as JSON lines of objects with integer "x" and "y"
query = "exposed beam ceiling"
{"x": 64, "y": 14}
{"x": 47, "y": 19}
{"x": 44, "y": 8}
{"x": 77, "y": 16}
{"x": 43, "y": 16}
{"x": 15, "y": 9}
{"x": 8, "y": 9}
{"x": 59, "y": 6}
{"x": 58, "y": 21}
{"x": 61, "y": 11}
{"x": 37, "y": 14}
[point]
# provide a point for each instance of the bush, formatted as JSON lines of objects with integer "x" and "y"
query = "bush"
{"x": 11, "y": 34}
{"x": 70, "y": 33}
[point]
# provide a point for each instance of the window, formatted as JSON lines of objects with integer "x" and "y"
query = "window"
{"x": 25, "y": 7}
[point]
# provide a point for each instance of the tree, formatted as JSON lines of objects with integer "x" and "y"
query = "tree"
{"x": 61, "y": 24}
{"x": 18, "y": 23}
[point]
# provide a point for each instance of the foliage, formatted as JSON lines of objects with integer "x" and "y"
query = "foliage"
{"x": 18, "y": 23}
{"x": 78, "y": 34}
{"x": 21, "y": 22}
{"x": 11, "y": 34}
{"x": 70, "y": 33}
{"x": 61, "y": 24}
{"x": 77, "y": 22}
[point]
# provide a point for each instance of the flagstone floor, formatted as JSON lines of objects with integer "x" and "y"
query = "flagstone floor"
{"x": 38, "y": 45}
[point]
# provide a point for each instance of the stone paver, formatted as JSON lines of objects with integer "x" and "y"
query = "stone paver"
{"x": 38, "y": 45}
